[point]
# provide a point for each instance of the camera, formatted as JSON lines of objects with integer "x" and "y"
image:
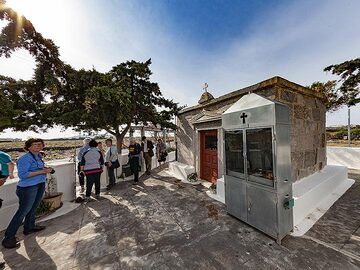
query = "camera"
{"x": 52, "y": 170}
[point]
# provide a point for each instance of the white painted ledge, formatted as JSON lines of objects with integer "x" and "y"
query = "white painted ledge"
{"x": 220, "y": 191}
{"x": 65, "y": 183}
{"x": 315, "y": 194}
{"x": 180, "y": 170}
{"x": 344, "y": 156}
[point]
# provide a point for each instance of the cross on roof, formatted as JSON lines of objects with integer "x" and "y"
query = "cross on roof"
{"x": 205, "y": 87}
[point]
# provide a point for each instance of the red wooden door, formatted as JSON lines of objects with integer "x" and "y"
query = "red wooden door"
{"x": 208, "y": 155}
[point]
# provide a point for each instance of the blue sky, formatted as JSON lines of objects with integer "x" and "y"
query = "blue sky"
{"x": 228, "y": 44}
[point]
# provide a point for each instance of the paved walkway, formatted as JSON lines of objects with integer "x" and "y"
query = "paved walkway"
{"x": 164, "y": 224}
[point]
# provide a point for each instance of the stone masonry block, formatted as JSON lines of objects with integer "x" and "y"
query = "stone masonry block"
{"x": 288, "y": 96}
{"x": 301, "y": 112}
{"x": 321, "y": 155}
{"x": 298, "y": 159}
{"x": 316, "y": 114}
{"x": 310, "y": 158}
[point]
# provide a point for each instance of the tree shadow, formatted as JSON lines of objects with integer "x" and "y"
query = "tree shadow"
{"x": 36, "y": 258}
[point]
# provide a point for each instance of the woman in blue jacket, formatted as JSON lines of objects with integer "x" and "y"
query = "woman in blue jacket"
{"x": 30, "y": 190}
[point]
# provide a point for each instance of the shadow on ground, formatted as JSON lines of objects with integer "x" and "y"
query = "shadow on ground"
{"x": 163, "y": 223}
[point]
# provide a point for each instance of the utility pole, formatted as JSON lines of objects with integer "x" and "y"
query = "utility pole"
{"x": 349, "y": 128}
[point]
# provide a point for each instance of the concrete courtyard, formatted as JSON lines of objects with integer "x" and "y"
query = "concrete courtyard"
{"x": 165, "y": 224}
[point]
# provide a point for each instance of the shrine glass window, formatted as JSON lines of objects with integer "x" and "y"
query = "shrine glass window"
{"x": 259, "y": 145}
{"x": 234, "y": 148}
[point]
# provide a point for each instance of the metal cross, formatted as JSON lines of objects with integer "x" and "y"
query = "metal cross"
{"x": 205, "y": 87}
{"x": 243, "y": 116}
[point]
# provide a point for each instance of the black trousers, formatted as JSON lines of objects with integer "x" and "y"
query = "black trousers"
{"x": 91, "y": 179}
{"x": 111, "y": 174}
{"x": 81, "y": 176}
{"x": 135, "y": 167}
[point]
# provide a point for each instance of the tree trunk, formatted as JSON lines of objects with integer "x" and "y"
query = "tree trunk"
{"x": 119, "y": 142}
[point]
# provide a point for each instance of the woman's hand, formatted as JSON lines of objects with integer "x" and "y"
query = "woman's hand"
{"x": 47, "y": 170}
{"x": 2, "y": 181}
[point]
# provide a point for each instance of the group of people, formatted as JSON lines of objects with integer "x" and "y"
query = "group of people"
{"x": 32, "y": 173}
{"x": 92, "y": 157}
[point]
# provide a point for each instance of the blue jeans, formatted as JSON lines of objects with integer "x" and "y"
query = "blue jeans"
{"x": 29, "y": 200}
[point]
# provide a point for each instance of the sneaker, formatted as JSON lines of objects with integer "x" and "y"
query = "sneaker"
{"x": 12, "y": 243}
{"x": 87, "y": 199}
{"x": 98, "y": 196}
{"x": 37, "y": 228}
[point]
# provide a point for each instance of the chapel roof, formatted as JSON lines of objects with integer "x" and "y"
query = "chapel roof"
{"x": 253, "y": 88}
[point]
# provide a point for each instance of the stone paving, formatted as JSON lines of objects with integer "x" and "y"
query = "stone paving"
{"x": 165, "y": 224}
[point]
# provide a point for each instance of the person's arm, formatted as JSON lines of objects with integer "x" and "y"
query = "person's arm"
{"x": 24, "y": 166}
{"x": 80, "y": 154}
{"x": 11, "y": 169}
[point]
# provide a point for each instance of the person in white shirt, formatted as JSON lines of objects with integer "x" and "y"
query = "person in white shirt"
{"x": 112, "y": 162}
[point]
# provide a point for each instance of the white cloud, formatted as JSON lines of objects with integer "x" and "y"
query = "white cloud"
{"x": 295, "y": 41}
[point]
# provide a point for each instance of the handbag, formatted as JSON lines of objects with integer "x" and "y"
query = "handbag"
{"x": 114, "y": 164}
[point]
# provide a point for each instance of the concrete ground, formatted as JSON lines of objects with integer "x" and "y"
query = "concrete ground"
{"x": 165, "y": 224}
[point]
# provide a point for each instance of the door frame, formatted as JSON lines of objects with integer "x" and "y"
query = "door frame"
{"x": 202, "y": 133}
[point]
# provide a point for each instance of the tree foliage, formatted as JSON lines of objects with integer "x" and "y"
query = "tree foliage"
{"x": 349, "y": 72}
{"x": 23, "y": 102}
{"x": 19, "y": 33}
{"x": 84, "y": 99}
{"x": 112, "y": 101}
{"x": 333, "y": 99}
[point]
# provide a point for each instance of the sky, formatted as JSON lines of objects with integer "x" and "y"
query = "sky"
{"x": 228, "y": 44}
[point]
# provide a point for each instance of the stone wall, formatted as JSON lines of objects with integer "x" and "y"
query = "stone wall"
{"x": 307, "y": 114}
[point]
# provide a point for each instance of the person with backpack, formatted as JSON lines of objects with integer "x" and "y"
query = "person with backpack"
{"x": 82, "y": 150}
{"x": 112, "y": 162}
{"x": 91, "y": 165}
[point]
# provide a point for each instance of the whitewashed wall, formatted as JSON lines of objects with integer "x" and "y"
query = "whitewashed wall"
{"x": 65, "y": 182}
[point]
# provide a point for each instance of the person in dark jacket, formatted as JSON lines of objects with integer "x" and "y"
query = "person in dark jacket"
{"x": 148, "y": 151}
{"x": 91, "y": 165}
{"x": 135, "y": 152}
